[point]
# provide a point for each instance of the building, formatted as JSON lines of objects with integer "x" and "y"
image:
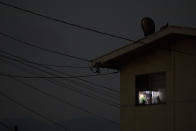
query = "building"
{"x": 157, "y": 81}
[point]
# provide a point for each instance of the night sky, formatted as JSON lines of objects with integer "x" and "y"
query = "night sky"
{"x": 119, "y": 17}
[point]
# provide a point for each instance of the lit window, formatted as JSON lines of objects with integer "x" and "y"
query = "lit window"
{"x": 150, "y": 89}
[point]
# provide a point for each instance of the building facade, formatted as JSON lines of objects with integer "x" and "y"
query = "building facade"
{"x": 157, "y": 81}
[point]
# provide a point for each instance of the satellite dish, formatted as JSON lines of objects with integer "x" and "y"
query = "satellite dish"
{"x": 148, "y": 26}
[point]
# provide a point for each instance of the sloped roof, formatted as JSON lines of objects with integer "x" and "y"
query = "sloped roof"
{"x": 112, "y": 59}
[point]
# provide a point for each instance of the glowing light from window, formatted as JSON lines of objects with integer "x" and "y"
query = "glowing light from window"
{"x": 149, "y": 97}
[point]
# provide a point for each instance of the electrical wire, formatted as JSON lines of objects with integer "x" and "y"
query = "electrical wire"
{"x": 62, "y": 85}
{"x": 5, "y": 126}
{"x": 27, "y": 84}
{"x": 51, "y": 77}
{"x": 42, "y": 48}
{"x": 64, "y": 22}
{"x": 65, "y": 66}
{"x": 9, "y": 58}
{"x": 67, "y": 23}
{"x": 59, "y": 66}
{"x": 20, "y": 76}
{"x": 34, "y": 112}
{"x": 94, "y": 97}
{"x": 92, "y": 85}
{"x": 19, "y": 59}
{"x": 61, "y": 100}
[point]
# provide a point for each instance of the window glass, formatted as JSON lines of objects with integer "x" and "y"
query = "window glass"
{"x": 150, "y": 88}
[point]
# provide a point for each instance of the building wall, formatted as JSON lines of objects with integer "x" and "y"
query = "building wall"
{"x": 185, "y": 86}
{"x": 149, "y": 117}
{"x": 179, "y": 113}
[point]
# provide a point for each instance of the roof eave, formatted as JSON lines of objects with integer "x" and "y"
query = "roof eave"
{"x": 105, "y": 60}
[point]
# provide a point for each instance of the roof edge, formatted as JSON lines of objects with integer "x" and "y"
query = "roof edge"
{"x": 146, "y": 40}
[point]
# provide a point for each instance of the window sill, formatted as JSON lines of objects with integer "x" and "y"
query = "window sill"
{"x": 140, "y": 105}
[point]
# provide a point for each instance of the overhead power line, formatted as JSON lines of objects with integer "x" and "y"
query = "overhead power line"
{"x": 5, "y": 126}
{"x": 85, "y": 81}
{"x": 62, "y": 85}
{"x": 52, "y": 65}
{"x": 89, "y": 88}
{"x": 27, "y": 84}
{"x": 63, "y": 21}
{"x": 64, "y": 66}
{"x": 61, "y": 66}
{"x": 21, "y": 59}
{"x": 51, "y": 77}
{"x": 34, "y": 112}
{"x": 42, "y": 48}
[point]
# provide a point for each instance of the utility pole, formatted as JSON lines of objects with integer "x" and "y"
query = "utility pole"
{"x": 15, "y": 128}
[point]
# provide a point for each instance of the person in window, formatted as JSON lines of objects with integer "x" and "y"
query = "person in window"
{"x": 150, "y": 98}
{"x": 142, "y": 98}
{"x": 158, "y": 100}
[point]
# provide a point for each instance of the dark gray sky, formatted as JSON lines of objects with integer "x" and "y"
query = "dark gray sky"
{"x": 120, "y": 17}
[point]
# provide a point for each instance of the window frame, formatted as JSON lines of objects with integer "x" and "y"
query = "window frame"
{"x": 138, "y": 90}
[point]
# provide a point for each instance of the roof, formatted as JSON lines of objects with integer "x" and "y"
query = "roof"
{"x": 113, "y": 59}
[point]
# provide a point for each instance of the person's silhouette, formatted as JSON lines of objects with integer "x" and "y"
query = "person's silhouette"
{"x": 158, "y": 100}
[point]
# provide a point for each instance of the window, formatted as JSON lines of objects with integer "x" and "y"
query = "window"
{"x": 150, "y": 88}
